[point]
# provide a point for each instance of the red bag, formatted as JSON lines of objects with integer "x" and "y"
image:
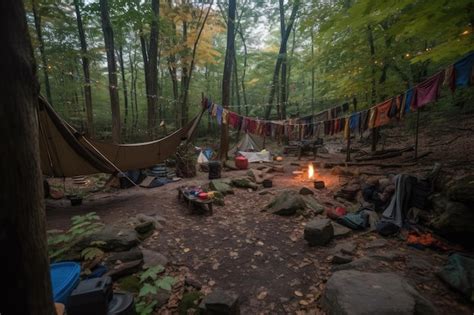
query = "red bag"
{"x": 335, "y": 213}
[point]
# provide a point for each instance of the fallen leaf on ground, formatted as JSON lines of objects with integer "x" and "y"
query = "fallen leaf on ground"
{"x": 304, "y": 302}
{"x": 262, "y": 295}
{"x": 298, "y": 293}
{"x": 186, "y": 250}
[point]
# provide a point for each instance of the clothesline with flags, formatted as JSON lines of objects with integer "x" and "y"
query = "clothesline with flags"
{"x": 335, "y": 120}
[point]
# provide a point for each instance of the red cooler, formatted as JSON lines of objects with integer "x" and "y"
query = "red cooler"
{"x": 241, "y": 162}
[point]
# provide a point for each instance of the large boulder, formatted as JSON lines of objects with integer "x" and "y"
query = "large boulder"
{"x": 286, "y": 203}
{"x": 111, "y": 239}
{"x": 318, "y": 232}
{"x": 459, "y": 274}
{"x": 462, "y": 190}
{"x": 221, "y": 185}
{"x": 354, "y": 292}
{"x": 455, "y": 222}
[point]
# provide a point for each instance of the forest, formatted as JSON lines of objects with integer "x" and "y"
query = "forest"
{"x": 130, "y": 70}
{"x": 237, "y": 157}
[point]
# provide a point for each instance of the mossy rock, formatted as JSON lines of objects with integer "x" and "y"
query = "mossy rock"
{"x": 190, "y": 301}
{"x": 129, "y": 283}
{"x": 244, "y": 182}
{"x": 287, "y": 203}
{"x": 221, "y": 185}
{"x": 145, "y": 227}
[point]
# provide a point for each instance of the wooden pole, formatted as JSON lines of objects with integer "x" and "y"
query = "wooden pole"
{"x": 416, "y": 132}
{"x": 348, "y": 148}
{"x": 374, "y": 139}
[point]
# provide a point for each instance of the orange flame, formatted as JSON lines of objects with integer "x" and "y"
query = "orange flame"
{"x": 310, "y": 171}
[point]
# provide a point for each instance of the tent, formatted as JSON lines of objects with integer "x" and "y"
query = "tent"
{"x": 247, "y": 143}
{"x": 202, "y": 158}
{"x": 249, "y": 147}
{"x": 64, "y": 152}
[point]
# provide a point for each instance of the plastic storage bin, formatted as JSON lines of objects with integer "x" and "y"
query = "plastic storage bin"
{"x": 64, "y": 278}
{"x": 91, "y": 297}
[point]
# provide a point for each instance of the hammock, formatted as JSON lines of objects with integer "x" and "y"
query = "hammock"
{"x": 65, "y": 152}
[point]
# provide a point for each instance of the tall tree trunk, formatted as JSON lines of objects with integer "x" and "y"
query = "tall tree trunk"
{"x": 22, "y": 219}
{"x": 184, "y": 79}
{"x": 112, "y": 69}
{"x": 284, "y": 62}
{"x": 312, "y": 71}
{"x": 373, "y": 147}
{"x": 242, "y": 79}
{"x": 226, "y": 77}
{"x": 151, "y": 76}
{"x": 279, "y": 60}
{"x": 189, "y": 71}
{"x": 287, "y": 85}
{"x": 39, "y": 35}
{"x": 85, "y": 69}
{"x": 124, "y": 86}
{"x": 236, "y": 84}
{"x": 370, "y": 38}
{"x": 132, "y": 91}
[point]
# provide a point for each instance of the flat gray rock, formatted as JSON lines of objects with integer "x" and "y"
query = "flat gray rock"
{"x": 340, "y": 231}
{"x": 112, "y": 239}
{"x": 360, "y": 293}
{"x": 347, "y": 248}
{"x": 363, "y": 263}
{"x": 341, "y": 259}
{"x": 130, "y": 255}
{"x": 152, "y": 258}
{"x": 378, "y": 243}
{"x": 220, "y": 302}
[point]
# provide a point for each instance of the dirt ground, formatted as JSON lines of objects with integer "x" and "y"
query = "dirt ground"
{"x": 263, "y": 257}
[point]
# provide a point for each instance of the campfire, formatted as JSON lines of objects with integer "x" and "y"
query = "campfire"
{"x": 308, "y": 174}
{"x": 310, "y": 171}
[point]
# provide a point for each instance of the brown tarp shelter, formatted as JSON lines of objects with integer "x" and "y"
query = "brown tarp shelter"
{"x": 65, "y": 152}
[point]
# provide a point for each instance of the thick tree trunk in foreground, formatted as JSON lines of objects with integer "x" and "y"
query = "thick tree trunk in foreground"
{"x": 112, "y": 68}
{"x": 226, "y": 78}
{"x": 39, "y": 35}
{"x": 22, "y": 218}
{"x": 85, "y": 68}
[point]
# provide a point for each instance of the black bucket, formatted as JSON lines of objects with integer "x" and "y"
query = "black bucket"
{"x": 267, "y": 183}
{"x": 214, "y": 169}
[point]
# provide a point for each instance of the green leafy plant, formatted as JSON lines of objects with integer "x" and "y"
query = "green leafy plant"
{"x": 151, "y": 282}
{"x": 60, "y": 242}
{"x": 90, "y": 253}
